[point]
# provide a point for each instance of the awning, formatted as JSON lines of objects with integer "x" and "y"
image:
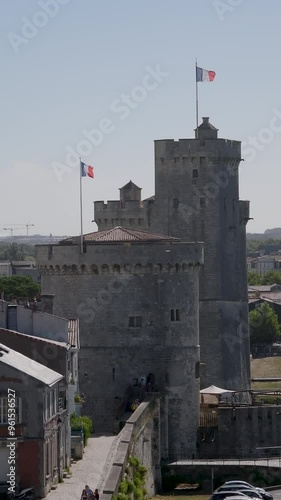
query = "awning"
{"x": 214, "y": 390}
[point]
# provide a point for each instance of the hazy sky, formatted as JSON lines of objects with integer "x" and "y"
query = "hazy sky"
{"x": 66, "y": 65}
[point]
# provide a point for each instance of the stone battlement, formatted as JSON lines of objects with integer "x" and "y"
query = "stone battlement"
{"x": 105, "y": 269}
{"x": 224, "y": 148}
{"x": 134, "y": 258}
{"x": 101, "y": 206}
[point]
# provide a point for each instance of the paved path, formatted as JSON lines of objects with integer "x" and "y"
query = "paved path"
{"x": 92, "y": 470}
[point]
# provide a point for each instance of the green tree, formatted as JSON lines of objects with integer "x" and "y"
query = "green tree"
{"x": 13, "y": 251}
{"x": 18, "y": 287}
{"x": 271, "y": 277}
{"x": 264, "y": 325}
{"x": 254, "y": 278}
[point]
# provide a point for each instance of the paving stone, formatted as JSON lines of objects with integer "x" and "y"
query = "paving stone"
{"x": 87, "y": 471}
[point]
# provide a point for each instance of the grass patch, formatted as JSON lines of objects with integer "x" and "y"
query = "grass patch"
{"x": 264, "y": 386}
{"x": 266, "y": 367}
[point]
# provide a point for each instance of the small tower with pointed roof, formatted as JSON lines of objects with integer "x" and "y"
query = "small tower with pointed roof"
{"x": 130, "y": 192}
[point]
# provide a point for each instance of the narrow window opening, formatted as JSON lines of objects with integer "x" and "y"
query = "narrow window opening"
{"x": 135, "y": 321}
{"x": 175, "y": 314}
{"x": 139, "y": 321}
{"x": 113, "y": 374}
{"x": 195, "y": 173}
{"x": 202, "y": 202}
{"x": 175, "y": 202}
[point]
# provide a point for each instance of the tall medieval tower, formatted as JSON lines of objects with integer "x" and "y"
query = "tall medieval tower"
{"x": 197, "y": 199}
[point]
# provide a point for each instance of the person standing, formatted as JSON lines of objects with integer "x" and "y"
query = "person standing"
{"x": 87, "y": 493}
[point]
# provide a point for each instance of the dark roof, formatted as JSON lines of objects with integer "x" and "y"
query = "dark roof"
{"x": 130, "y": 185}
{"x": 206, "y": 125}
{"x": 33, "y": 338}
{"x": 117, "y": 234}
{"x": 264, "y": 288}
{"x": 151, "y": 198}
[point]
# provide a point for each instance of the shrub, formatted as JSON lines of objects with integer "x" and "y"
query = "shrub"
{"x": 84, "y": 424}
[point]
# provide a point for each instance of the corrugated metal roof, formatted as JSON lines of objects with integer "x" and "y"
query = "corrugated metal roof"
{"x": 73, "y": 333}
{"x": 28, "y": 366}
{"x": 120, "y": 234}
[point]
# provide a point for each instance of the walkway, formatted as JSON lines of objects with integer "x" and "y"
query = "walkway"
{"x": 92, "y": 470}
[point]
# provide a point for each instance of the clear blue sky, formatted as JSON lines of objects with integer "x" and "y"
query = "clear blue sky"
{"x": 64, "y": 78}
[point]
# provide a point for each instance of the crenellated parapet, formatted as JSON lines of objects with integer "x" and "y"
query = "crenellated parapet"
{"x": 117, "y": 269}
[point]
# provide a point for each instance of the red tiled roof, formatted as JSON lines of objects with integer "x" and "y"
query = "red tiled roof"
{"x": 120, "y": 234}
{"x": 73, "y": 332}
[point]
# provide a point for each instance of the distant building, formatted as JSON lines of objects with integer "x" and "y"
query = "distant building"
{"x": 264, "y": 263}
{"x": 20, "y": 268}
{"x": 40, "y": 423}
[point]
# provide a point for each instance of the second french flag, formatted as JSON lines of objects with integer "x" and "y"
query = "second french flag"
{"x": 87, "y": 170}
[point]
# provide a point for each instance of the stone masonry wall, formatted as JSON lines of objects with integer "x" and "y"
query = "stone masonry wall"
{"x": 245, "y": 432}
{"x": 140, "y": 438}
{"x": 106, "y": 286}
{"x": 197, "y": 199}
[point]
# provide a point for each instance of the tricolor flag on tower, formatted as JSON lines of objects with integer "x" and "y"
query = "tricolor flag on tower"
{"x": 204, "y": 75}
{"x": 87, "y": 170}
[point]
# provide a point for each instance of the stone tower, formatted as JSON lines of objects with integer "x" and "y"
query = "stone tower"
{"x": 136, "y": 295}
{"x": 197, "y": 199}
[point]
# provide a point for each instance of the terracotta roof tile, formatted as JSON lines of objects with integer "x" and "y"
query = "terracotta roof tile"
{"x": 117, "y": 234}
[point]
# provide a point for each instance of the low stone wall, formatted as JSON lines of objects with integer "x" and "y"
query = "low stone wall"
{"x": 242, "y": 432}
{"x": 140, "y": 437}
{"x": 77, "y": 447}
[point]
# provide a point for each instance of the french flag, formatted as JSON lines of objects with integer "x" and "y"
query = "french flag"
{"x": 87, "y": 170}
{"x": 203, "y": 75}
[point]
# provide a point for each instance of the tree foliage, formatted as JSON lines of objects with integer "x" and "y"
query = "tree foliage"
{"x": 84, "y": 424}
{"x": 269, "y": 278}
{"x": 254, "y": 278}
{"x": 14, "y": 251}
{"x": 259, "y": 245}
{"x": 264, "y": 326}
{"x": 18, "y": 287}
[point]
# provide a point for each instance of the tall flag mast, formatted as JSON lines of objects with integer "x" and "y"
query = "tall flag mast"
{"x": 202, "y": 75}
{"x": 84, "y": 171}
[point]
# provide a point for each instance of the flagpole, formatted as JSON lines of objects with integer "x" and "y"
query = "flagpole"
{"x": 197, "y": 121}
{"x": 81, "y": 207}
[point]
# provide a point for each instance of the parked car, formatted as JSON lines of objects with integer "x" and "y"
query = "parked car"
{"x": 249, "y": 492}
{"x": 220, "y": 495}
{"x": 265, "y": 494}
{"x": 235, "y": 487}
